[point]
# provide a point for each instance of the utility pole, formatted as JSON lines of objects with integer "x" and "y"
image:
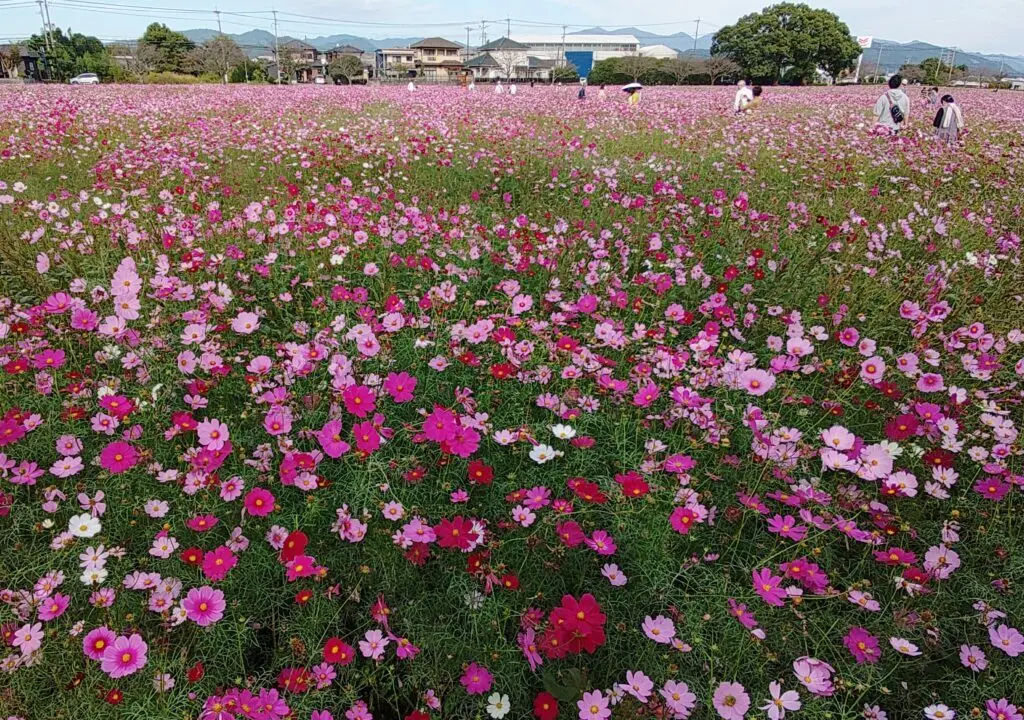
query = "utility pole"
{"x": 483, "y": 33}
{"x": 696, "y": 34}
{"x": 277, "y": 49}
{"x": 878, "y": 62}
{"x": 469, "y": 28}
{"x": 508, "y": 27}
{"x": 46, "y": 29}
{"x": 562, "y": 64}
{"x": 49, "y": 25}
{"x": 223, "y": 50}
{"x": 952, "y": 64}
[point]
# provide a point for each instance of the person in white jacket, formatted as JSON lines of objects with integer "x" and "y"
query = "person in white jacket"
{"x": 886, "y": 119}
{"x": 743, "y": 96}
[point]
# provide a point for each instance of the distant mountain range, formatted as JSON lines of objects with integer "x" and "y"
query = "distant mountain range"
{"x": 888, "y": 53}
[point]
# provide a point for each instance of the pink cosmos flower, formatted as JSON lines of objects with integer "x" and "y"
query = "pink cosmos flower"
{"x": 400, "y": 386}
{"x": 218, "y": 563}
{"x": 780, "y": 702}
{"x": 660, "y": 629}
{"x": 278, "y": 421}
{"x": 731, "y": 701}
{"x": 366, "y": 436}
{"x": 593, "y": 706}
{"x": 372, "y": 645}
{"x": 646, "y": 395}
{"x": 872, "y": 370}
{"x": 204, "y": 605}
{"x": 95, "y": 643}
{"x": 476, "y": 679}
{"x": 768, "y": 587}
{"x": 28, "y": 638}
{"x": 815, "y": 675}
{"x": 119, "y": 457}
{"x": 756, "y": 382}
{"x": 679, "y": 699}
{"x": 213, "y": 434}
{"x": 359, "y": 400}
{"x": 440, "y": 425}
{"x": 638, "y": 685}
{"x": 53, "y": 607}
{"x": 245, "y": 323}
{"x": 1002, "y": 709}
{"x": 259, "y": 502}
{"x": 1007, "y": 639}
{"x": 862, "y": 645}
{"x": 931, "y": 382}
{"x": 683, "y": 520}
{"x": 329, "y": 437}
{"x": 124, "y": 656}
{"x": 973, "y": 657}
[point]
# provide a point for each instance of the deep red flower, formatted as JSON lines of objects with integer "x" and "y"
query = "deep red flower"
{"x": 510, "y": 582}
{"x": 114, "y": 696}
{"x": 545, "y": 706}
{"x": 480, "y": 473}
{"x": 303, "y": 596}
{"x": 338, "y": 652}
{"x": 587, "y": 490}
{"x": 293, "y": 679}
{"x": 192, "y": 556}
{"x": 455, "y": 533}
{"x": 294, "y": 545}
{"x": 196, "y": 673}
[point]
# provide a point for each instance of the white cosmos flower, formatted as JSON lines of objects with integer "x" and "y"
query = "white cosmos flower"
{"x": 542, "y": 453}
{"x": 84, "y": 526}
{"x": 94, "y": 577}
{"x": 497, "y": 705}
{"x": 563, "y": 432}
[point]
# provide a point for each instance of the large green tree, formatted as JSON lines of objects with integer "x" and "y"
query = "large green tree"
{"x": 72, "y": 53}
{"x": 788, "y": 39}
{"x": 168, "y": 49}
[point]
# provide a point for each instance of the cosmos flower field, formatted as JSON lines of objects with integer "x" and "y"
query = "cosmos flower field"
{"x": 327, "y": 403}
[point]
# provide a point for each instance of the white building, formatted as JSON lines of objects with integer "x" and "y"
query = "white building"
{"x": 659, "y": 52}
{"x": 553, "y": 47}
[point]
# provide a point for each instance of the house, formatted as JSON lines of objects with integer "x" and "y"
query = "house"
{"x": 394, "y": 62}
{"x": 506, "y": 59}
{"x": 18, "y": 63}
{"x": 308, "y": 62}
{"x": 1016, "y": 83}
{"x": 437, "y": 58}
{"x": 339, "y": 50}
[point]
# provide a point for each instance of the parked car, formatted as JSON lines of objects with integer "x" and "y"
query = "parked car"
{"x": 319, "y": 80}
{"x": 86, "y": 79}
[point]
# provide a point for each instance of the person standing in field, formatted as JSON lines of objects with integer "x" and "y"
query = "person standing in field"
{"x": 949, "y": 121}
{"x": 892, "y": 109}
{"x": 512, "y": 89}
{"x": 743, "y": 96}
{"x": 600, "y": 92}
{"x": 499, "y": 88}
{"x": 634, "y": 98}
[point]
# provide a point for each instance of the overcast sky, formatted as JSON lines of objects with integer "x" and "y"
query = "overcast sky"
{"x": 992, "y": 26}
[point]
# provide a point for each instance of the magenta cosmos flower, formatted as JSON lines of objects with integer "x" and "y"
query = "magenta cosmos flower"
{"x": 862, "y": 645}
{"x": 96, "y": 642}
{"x": 731, "y": 701}
{"x": 476, "y": 679}
{"x": 119, "y": 457}
{"x": 124, "y": 656}
{"x": 259, "y": 502}
{"x": 204, "y": 605}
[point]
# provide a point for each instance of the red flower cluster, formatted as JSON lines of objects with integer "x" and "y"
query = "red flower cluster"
{"x": 574, "y": 626}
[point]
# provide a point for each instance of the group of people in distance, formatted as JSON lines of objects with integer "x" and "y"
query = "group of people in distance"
{"x": 892, "y": 111}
